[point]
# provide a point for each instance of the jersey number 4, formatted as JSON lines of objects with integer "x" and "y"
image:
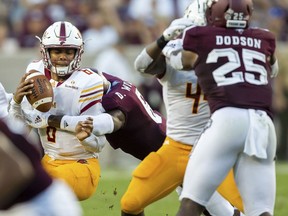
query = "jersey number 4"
{"x": 196, "y": 96}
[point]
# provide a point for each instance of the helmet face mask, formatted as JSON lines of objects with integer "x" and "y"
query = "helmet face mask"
{"x": 229, "y": 13}
{"x": 62, "y": 35}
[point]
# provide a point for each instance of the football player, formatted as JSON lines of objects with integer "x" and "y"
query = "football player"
{"x": 235, "y": 65}
{"x": 126, "y": 119}
{"x": 187, "y": 114}
{"x": 76, "y": 91}
{"x": 26, "y": 189}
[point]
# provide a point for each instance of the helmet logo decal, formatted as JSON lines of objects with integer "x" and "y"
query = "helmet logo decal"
{"x": 231, "y": 15}
{"x": 62, "y": 33}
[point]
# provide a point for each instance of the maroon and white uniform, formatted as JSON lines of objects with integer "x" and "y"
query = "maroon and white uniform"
{"x": 144, "y": 130}
{"x": 232, "y": 65}
{"x": 234, "y": 72}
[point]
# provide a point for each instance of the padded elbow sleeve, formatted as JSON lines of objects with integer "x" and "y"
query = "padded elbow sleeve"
{"x": 142, "y": 61}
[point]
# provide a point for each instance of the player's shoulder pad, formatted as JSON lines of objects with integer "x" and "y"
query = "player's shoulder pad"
{"x": 265, "y": 33}
{"x": 87, "y": 72}
{"x": 188, "y": 29}
{"x": 87, "y": 77}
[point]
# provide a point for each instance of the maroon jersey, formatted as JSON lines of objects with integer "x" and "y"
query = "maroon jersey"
{"x": 41, "y": 180}
{"x": 233, "y": 66}
{"x": 144, "y": 130}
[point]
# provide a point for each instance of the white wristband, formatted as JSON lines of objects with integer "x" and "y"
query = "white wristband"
{"x": 142, "y": 61}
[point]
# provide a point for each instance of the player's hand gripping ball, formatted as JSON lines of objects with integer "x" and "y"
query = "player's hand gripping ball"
{"x": 42, "y": 92}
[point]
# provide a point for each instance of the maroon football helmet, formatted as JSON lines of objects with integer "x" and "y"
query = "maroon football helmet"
{"x": 229, "y": 13}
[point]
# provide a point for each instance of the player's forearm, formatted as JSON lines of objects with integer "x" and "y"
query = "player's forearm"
{"x": 150, "y": 60}
{"x": 153, "y": 50}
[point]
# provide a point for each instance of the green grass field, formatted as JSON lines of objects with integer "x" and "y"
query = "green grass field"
{"x": 113, "y": 184}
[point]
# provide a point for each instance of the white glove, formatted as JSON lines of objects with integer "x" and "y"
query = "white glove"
{"x": 176, "y": 28}
{"x": 173, "y": 47}
{"x": 36, "y": 119}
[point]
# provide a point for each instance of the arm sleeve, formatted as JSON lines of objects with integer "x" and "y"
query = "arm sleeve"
{"x": 15, "y": 110}
{"x": 143, "y": 60}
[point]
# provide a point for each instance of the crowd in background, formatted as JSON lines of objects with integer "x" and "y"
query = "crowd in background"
{"x": 126, "y": 21}
{"x": 108, "y": 26}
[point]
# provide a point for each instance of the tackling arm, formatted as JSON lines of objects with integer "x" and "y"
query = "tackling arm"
{"x": 103, "y": 123}
{"x": 87, "y": 139}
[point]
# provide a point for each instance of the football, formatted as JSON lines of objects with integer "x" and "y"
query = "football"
{"x": 42, "y": 92}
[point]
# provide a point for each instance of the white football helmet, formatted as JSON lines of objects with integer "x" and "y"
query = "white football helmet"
{"x": 62, "y": 35}
{"x": 196, "y": 12}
